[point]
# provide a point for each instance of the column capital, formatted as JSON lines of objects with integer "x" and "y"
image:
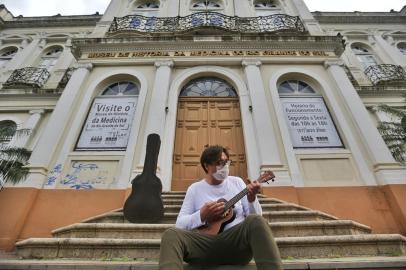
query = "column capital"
{"x": 328, "y": 63}
{"x": 42, "y": 43}
{"x": 251, "y": 62}
{"x": 88, "y": 66}
{"x": 37, "y": 111}
{"x": 164, "y": 63}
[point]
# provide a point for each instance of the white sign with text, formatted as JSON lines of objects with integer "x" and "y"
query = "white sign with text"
{"x": 108, "y": 124}
{"x": 310, "y": 124}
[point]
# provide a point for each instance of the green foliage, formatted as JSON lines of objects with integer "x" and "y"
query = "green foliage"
{"x": 12, "y": 159}
{"x": 394, "y": 132}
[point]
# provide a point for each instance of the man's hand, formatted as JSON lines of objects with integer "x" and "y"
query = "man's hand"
{"x": 253, "y": 189}
{"x": 212, "y": 211}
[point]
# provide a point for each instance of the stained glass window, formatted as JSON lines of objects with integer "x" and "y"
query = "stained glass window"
{"x": 208, "y": 87}
{"x": 206, "y": 4}
{"x": 295, "y": 87}
{"x": 122, "y": 89}
{"x": 149, "y": 5}
{"x": 265, "y": 4}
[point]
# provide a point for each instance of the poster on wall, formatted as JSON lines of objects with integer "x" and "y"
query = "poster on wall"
{"x": 108, "y": 124}
{"x": 309, "y": 122}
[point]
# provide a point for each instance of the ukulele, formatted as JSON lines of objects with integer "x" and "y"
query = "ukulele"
{"x": 216, "y": 227}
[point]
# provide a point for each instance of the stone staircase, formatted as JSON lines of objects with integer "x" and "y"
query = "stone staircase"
{"x": 304, "y": 237}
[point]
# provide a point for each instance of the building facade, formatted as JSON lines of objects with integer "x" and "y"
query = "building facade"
{"x": 283, "y": 88}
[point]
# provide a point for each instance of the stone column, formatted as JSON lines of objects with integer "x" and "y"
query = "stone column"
{"x": 244, "y": 9}
{"x": 113, "y": 10}
{"x": 157, "y": 111}
{"x": 392, "y": 52}
{"x": 156, "y": 115}
{"x": 58, "y": 71}
{"x": 21, "y": 58}
{"x": 306, "y": 16}
{"x": 30, "y": 125}
{"x": 386, "y": 169}
{"x": 169, "y": 8}
{"x": 48, "y": 143}
{"x": 265, "y": 132}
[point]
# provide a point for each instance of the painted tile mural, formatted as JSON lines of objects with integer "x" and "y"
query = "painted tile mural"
{"x": 89, "y": 175}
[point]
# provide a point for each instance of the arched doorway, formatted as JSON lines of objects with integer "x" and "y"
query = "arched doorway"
{"x": 208, "y": 113}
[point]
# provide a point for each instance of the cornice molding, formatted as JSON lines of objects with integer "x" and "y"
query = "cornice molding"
{"x": 88, "y": 66}
{"x": 251, "y": 62}
{"x": 164, "y": 63}
{"x": 372, "y": 19}
{"x": 329, "y": 63}
{"x": 101, "y": 45}
{"x": 53, "y": 21}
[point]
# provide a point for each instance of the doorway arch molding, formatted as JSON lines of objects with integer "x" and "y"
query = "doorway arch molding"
{"x": 168, "y": 136}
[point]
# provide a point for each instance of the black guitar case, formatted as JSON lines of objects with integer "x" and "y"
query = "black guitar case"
{"x": 144, "y": 205}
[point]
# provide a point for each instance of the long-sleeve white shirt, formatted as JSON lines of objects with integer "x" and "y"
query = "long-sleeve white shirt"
{"x": 201, "y": 192}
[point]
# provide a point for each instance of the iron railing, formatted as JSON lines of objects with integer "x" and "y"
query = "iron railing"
{"x": 262, "y": 24}
{"x": 27, "y": 77}
{"x": 385, "y": 73}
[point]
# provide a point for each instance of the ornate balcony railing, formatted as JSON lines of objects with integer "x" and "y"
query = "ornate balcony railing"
{"x": 27, "y": 77}
{"x": 265, "y": 24}
{"x": 386, "y": 73}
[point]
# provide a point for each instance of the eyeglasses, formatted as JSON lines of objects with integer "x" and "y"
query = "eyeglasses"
{"x": 222, "y": 162}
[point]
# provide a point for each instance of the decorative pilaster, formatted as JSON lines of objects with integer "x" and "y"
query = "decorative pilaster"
{"x": 386, "y": 169}
{"x": 392, "y": 52}
{"x": 306, "y": 16}
{"x": 22, "y": 57}
{"x": 265, "y": 133}
{"x": 157, "y": 110}
{"x": 48, "y": 143}
{"x": 31, "y": 125}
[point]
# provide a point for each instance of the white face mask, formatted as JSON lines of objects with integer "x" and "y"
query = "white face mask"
{"x": 221, "y": 173}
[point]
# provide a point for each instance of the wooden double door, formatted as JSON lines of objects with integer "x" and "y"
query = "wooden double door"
{"x": 202, "y": 121}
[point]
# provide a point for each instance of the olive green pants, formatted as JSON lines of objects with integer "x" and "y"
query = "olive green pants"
{"x": 235, "y": 246}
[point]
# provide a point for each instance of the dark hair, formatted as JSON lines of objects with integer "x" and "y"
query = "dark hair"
{"x": 211, "y": 154}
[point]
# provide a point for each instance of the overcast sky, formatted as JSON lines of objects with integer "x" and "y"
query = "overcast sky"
{"x": 81, "y": 7}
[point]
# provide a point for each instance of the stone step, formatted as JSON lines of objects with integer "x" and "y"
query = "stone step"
{"x": 170, "y": 201}
{"x": 271, "y": 216}
{"x": 154, "y": 231}
{"x": 289, "y": 247}
{"x": 265, "y": 207}
{"x": 362, "y": 263}
{"x": 180, "y": 196}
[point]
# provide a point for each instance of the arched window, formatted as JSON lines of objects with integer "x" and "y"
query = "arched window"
{"x": 147, "y": 8}
{"x": 7, "y": 54}
{"x": 108, "y": 124}
{"x": 7, "y": 130}
{"x": 295, "y": 87}
{"x": 206, "y": 5}
{"x": 122, "y": 89}
{"x": 208, "y": 87}
{"x": 266, "y": 7}
{"x": 307, "y": 117}
{"x": 402, "y": 47}
{"x": 50, "y": 57}
{"x": 364, "y": 56}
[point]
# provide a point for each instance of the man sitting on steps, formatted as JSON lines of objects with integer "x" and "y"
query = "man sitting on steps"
{"x": 246, "y": 236}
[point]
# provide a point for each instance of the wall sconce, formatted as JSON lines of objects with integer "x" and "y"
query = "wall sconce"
{"x": 166, "y": 109}
{"x": 250, "y": 108}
